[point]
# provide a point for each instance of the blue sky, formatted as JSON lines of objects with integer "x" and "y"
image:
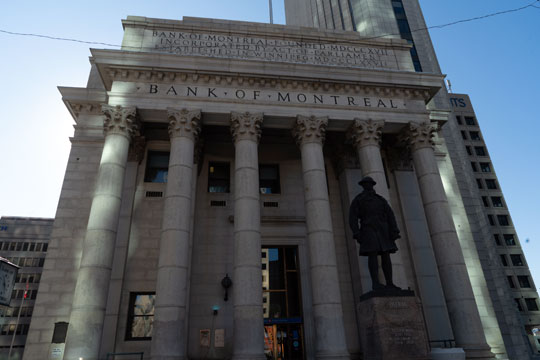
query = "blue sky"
{"x": 494, "y": 60}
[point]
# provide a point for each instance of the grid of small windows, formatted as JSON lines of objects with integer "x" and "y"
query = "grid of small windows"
{"x": 27, "y": 262}
{"x": 25, "y": 311}
{"x": 9, "y": 329}
{"x": 19, "y": 294}
{"x": 405, "y": 31}
{"x": 23, "y": 246}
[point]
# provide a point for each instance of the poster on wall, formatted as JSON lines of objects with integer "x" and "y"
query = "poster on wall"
{"x": 8, "y": 274}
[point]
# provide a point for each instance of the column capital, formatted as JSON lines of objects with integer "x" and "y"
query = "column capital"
{"x": 184, "y": 123}
{"x": 419, "y": 135}
{"x": 120, "y": 120}
{"x": 308, "y": 129}
{"x": 366, "y": 132}
{"x": 246, "y": 126}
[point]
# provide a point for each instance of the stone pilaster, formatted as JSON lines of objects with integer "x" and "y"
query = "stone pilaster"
{"x": 456, "y": 284}
{"x": 90, "y": 298}
{"x": 309, "y": 133}
{"x": 169, "y": 338}
{"x": 247, "y": 288}
{"x": 366, "y": 136}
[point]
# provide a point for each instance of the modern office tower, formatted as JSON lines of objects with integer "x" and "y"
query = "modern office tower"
{"x": 24, "y": 242}
{"x": 404, "y": 19}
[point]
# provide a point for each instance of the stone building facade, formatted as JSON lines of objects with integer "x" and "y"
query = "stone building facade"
{"x": 207, "y": 150}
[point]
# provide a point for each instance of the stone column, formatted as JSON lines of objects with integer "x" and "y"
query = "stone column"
{"x": 309, "y": 133}
{"x": 456, "y": 284}
{"x": 366, "y": 136}
{"x": 169, "y": 338}
{"x": 90, "y": 297}
{"x": 247, "y": 287}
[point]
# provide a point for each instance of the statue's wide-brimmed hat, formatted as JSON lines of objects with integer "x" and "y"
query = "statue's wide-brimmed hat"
{"x": 367, "y": 180}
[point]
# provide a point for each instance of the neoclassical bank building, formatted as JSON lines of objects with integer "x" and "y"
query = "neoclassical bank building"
{"x": 204, "y": 210}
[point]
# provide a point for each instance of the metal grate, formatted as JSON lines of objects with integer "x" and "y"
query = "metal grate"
{"x": 218, "y": 203}
{"x": 271, "y": 204}
{"x": 154, "y": 194}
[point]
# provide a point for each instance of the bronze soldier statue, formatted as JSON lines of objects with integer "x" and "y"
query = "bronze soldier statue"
{"x": 377, "y": 232}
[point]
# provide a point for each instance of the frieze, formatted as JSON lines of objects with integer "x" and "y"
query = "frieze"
{"x": 298, "y": 97}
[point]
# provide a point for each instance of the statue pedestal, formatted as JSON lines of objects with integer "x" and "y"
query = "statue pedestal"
{"x": 392, "y": 326}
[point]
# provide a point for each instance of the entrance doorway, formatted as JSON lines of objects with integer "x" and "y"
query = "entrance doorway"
{"x": 282, "y": 305}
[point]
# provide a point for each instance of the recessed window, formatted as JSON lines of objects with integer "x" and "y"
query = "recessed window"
{"x": 469, "y": 120}
{"x": 485, "y": 167}
{"x": 497, "y": 201}
{"x": 475, "y": 135}
{"x": 219, "y": 177}
{"x": 524, "y": 282}
{"x": 464, "y": 135}
{"x": 459, "y": 121}
{"x": 516, "y": 259}
{"x": 511, "y": 282}
{"x": 269, "y": 179}
{"x": 532, "y": 305}
{"x": 504, "y": 262}
{"x": 491, "y": 184}
{"x": 469, "y": 151}
{"x": 474, "y": 167}
{"x": 503, "y": 220}
{"x": 509, "y": 239}
{"x": 491, "y": 220}
{"x": 157, "y": 167}
{"x": 518, "y": 304}
{"x": 140, "y": 316}
{"x": 479, "y": 183}
{"x": 485, "y": 201}
{"x": 497, "y": 239}
{"x": 480, "y": 150}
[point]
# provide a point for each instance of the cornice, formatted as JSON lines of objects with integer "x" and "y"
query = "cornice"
{"x": 83, "y": 101}
{"x": 139, "y": 67}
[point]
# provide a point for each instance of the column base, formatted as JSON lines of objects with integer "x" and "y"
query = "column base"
{"x": 479, "y": 353}
{"x": 164, "y": 357}
{"x": 447, "y": 354}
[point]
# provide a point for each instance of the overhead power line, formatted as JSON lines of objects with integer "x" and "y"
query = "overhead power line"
{"x": 476, "y": 18}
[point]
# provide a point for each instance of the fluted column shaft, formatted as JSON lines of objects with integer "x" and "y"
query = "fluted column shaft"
{"x": 91, "y": 290}
{"x": 247, "y": 287}
{"x": 456, "y": 284}
{"x": 327, "y": 310}
{"x": 366, "y": 136}
{"x": 169, "y": 338}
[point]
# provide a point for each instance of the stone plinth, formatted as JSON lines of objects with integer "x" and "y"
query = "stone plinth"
{"x": 392, "y": 326}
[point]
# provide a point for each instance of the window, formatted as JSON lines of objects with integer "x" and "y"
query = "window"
{"x": 491, "y": 221}
{"x": 531, "y": 304}
{"x": 45, "y": 247}
{"x": 459, "y": 121}
{"x": 491, "y": 184}
{"x": 485, "y": 167}
{"x": 157, "y": 167}
{"x": 511, "y": 282}
{"x": 509, "y": 239}
{"x": 516, "y": 260}
{"x": 497, "y": 239}
{"x": 473, "y": 166}
{"x": 269, "y": 179}
{"x": 219, "y": 177}
{"x": 518, "y": 304}
{"x": 503, "y": 260}
{"x": 497, "y": 201}
{"x": 468, "y": 148}
{"x": 32, "y": 246}
{"x": 25, "y": 246}
{"x": 480, "y": 150}
{"x": 469, "y": 120}
{"x": 463, "y": 135}
{"x": 19, "y": 246}
{"x": 485, "y": 201}
{"x": 524, "y": 282}
{"x": 503, "y": 220}
{"x": 479, "y": 183}
{"x": 140, "y": 316}
{"x": 475, "y": 135}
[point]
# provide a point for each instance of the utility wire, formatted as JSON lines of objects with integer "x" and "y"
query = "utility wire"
{"x": 476, "y": 18}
